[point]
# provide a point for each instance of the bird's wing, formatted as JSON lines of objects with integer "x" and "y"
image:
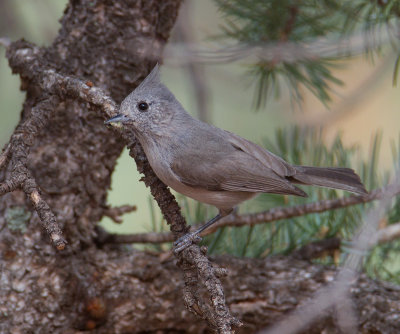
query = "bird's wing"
{"x": 268, "y": 159}
{"x": 219, "y": 165}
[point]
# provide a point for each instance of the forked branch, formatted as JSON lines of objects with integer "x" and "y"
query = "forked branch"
{"x": 16, "y": 154}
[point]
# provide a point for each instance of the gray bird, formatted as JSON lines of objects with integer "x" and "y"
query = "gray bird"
{"x": 209, "y": 164}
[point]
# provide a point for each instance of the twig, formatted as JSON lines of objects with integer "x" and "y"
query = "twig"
{"x": 23, "y": 58}
{"x": 179, "y": 54}
{"x": 138, "y": 238}
{"x": 281, "y": 51}
{"x": 265, "y": 216}
{"x": 5, "y": 156}
{"x": 16, "y": 154}
{"x": 115, "y": 213}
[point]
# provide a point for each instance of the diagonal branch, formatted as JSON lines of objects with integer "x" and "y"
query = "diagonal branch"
{"x": 197, "y": 269}
{"x": 199, "y": 274}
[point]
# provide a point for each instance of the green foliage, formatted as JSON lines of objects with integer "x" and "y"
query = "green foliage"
{"x": 262, "y": 23}
{"x": 255, "y": 22}
{"x": 371, "y": 14}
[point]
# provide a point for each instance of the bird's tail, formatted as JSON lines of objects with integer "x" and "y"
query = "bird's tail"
{"x": 336, "y": 178}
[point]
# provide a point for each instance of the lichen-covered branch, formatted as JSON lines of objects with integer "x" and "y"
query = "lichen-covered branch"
{"x": 197, "y": 269}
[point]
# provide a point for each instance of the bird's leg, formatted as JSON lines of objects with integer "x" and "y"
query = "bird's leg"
{"x": 194, "y": 237}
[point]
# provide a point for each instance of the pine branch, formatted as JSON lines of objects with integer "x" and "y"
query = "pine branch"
{"x": 268, "y": 216}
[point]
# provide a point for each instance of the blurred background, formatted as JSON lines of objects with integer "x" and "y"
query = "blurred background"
{"x": 367, "y": 103}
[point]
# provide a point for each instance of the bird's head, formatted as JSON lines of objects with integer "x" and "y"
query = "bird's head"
{"x": 149, "y": 108}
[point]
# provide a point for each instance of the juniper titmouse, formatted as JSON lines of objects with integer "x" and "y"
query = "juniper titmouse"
{"x": 211, "y": 165}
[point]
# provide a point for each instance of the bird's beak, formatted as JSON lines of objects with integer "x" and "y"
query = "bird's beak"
{"x": 115, "y": 119}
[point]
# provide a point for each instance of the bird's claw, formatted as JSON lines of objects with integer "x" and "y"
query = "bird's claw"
{"x": 185, "y": 241}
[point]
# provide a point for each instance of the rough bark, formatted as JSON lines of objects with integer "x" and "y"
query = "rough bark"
{"x": 71, "y": 158}
{"x": 117, "y": 291}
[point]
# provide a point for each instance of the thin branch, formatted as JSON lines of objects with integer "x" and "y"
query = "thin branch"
{"x": 197, "y": 269}
{"x": 16, "y": 154}
{"x": 115, "y": 213}
{"x": 283, "y": 51}
{"x": 178, "y": 54}
{"x": 23, "y": 58}
{"x": 138, "y": 238}
{"x": 268, "y": 216}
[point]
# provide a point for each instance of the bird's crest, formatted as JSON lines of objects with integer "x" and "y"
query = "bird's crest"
{"x": 152, "y": 80}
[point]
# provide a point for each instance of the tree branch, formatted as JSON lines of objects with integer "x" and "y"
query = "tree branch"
{"x": 198, "y": 272}
{"x": 197, "y": 269}
{"x": 16, "y": 155}
{"x": 268, "y": 216}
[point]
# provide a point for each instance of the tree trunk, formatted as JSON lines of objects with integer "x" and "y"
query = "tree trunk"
{"x": 115, "y": 289}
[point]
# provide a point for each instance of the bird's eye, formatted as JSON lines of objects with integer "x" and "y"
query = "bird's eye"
{"x": 143, "y": 106}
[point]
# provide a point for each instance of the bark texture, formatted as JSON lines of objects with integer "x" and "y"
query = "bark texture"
{"x": 71, "y": 156}
{"x": 117, "y": 291}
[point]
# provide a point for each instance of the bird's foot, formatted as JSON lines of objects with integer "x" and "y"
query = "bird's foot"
{"x": 185, "y": 241}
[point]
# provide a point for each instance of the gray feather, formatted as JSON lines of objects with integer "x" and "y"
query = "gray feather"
{"x": 330, "y": 177}
{"x": 218, "y": 160}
